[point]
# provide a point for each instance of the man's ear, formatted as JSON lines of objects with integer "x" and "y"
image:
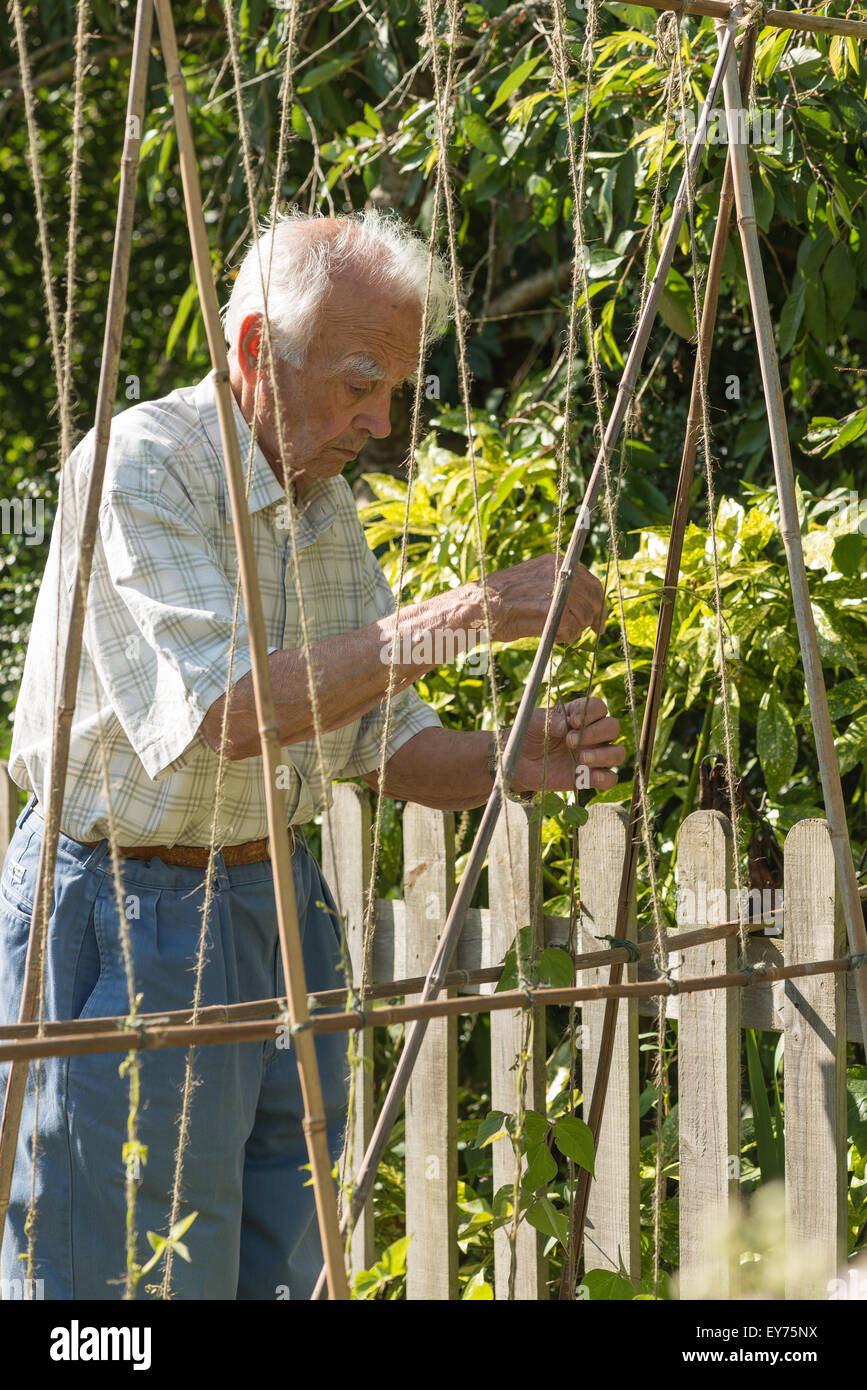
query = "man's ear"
{"x": 250, "y": 346}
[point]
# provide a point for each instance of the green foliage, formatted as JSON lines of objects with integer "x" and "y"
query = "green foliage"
{"x": 380, "y": 1279}
{"x": 534, "y": 1140}
{"x": 605, "y": 1284}
{"x": 768, "y": 1127}
{"x": 772, "y": 735}
{"x": 856, "y": 1090}
{"x": 161, "y": 1245}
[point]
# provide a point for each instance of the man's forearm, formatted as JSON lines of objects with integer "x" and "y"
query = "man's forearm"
{"x": 443, "y": 768}
{"x": 350, "y": 673}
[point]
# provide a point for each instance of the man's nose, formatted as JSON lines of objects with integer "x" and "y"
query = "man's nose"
{"x": 376, "y": 414}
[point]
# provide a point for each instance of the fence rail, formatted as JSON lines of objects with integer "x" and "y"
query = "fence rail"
{"x": 815, "y": 1014}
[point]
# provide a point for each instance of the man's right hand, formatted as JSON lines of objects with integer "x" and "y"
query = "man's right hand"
{"x": 519, "y": 599}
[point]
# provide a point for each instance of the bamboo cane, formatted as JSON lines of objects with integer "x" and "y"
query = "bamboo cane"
{"x": 160, "y": 1035}
{"x": 774, "y": 19}
{"x": 388, "y": 989}
{"x": 790, "y": 527}
{"x": 106, "y": 393}
{"x": 664, "y": 624}
{"x": 454, "y": 922}
{"x": 287, "y": 915}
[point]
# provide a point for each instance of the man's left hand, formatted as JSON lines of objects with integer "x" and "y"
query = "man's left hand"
{"x": 580, "y": 735}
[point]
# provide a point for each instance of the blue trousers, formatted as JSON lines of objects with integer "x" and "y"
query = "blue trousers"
{"x": 255, "y": 1234}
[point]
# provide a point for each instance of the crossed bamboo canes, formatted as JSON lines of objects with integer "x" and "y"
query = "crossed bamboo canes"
{"x": 107, "y": 390}
{"x": 314, "y": 1122}
{"x": 415, "y": 1035}
{"x": 662, "y": 643}
{"x": 737, "y": 177}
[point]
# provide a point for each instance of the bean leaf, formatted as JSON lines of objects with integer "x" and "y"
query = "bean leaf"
{"x": 541, "y": 1167}
{"x": 575, "y": 1140}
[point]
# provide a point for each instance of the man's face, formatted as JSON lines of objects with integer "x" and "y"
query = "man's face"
{"x": 365, "y": 346}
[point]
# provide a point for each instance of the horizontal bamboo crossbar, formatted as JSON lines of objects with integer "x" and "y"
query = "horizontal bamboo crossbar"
{"x": 386, "y": 989}
{"x": 773, "y": 19}
{"x": 150, "y": 1038}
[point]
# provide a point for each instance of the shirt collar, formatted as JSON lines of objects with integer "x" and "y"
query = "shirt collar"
{"x": 318, "y": 509}
{"x": 264, "y": 487}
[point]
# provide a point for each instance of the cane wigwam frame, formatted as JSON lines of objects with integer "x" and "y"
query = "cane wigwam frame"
{"x": 140, "y": 1033}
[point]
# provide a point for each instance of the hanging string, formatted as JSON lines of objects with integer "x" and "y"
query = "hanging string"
{"x": 369, "y": 927}
{"x": 57, "y": 357}
{"x": 183, "y": 1123}
{"x": 755, "y": 13}
{"x": 668, "y": 43}
{"x": 286, "y": 104}
{"x": 611, "y": 490}
{"x": 580, "y": 296}
{"x": 707, "y": 456}
{"x": 668, "y": 36}
{"x": 443, "y": 87}
{"x": 134, "y": 1153}
{"x": 62, "y": 360}
{"x": 369, "y": 921}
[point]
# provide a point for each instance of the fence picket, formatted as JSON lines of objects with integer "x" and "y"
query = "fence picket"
{"x": 708, "y": 1060}
{"x": 431, "y": 1103}
{"x": 814, "y": 1020}
{"x": 515, "y": 903}
{"x": 346, "y": 865}
{"x": 612, "y": 1235}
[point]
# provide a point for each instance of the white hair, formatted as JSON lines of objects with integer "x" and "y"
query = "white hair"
{"x": 303, "y": 266}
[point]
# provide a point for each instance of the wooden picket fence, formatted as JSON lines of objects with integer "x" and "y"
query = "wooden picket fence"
{"x": 811, "y": 1011}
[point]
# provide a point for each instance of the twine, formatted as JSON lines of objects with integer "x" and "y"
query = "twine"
{"x": 668, "y": 34}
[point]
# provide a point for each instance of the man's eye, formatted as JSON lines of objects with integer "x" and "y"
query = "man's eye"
{"x": 358, "y": 388}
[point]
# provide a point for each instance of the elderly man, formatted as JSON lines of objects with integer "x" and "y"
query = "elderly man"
{"x": 163, "y": 652}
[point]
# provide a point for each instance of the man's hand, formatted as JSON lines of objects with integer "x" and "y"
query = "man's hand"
{"x": 598, "y": 753}
{"x": 521, "y": 596}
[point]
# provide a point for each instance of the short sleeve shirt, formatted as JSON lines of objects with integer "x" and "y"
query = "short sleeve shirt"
{"x": 162, "y": 609}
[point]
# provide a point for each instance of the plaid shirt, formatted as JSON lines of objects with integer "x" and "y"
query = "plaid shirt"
{"x": 158, "y": 632}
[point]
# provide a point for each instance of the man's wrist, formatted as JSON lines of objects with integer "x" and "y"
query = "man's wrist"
{"x": 471, "y": 601}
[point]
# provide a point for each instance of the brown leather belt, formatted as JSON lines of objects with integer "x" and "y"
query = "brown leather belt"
{"x": 196, "y": 856}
